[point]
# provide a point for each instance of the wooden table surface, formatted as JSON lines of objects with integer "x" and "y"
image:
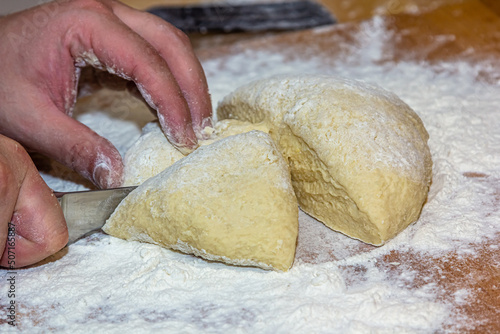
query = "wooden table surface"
{"x": 474, "y": 24}
{"x": 468, "y": 30}
{"x": 355, "y": 10}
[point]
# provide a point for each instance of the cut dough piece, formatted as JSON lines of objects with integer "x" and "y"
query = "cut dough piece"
{"x": 149, "y": 156}
{"x": 230, "y": 201}
{"x": 152, "y": 152}
{"x": 358, "y": 155}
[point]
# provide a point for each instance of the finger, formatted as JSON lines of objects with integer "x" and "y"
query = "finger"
{"x": 74, "y": 145}
{"x": 174, "y": 46}
{"x": 125, "y": 53}
{"x": 37, "y": 223}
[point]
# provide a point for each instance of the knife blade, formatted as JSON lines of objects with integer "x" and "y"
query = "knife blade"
{"x": 87, "y": 211}
{"x": 257, "y": 17}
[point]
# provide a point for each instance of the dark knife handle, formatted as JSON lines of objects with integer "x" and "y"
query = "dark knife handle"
{"x": 291, "y": 15}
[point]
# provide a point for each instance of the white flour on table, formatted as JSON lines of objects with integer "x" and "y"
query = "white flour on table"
{"x": 103, "y": 284}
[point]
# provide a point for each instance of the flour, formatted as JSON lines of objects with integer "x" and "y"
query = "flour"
{"x": 104, "y": 284}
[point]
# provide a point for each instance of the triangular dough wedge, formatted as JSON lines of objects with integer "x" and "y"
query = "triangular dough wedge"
{"x": 358, "y": 155}
{"x": 231, "y": 201}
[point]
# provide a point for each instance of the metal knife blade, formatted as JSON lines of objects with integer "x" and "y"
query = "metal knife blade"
{"x": 87, "y": 211}
{"x": 275, "y": 16}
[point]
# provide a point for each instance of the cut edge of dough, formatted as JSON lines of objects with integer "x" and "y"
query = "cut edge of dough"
{"x": 130, "y": 232}
{"x": 188, "y": 249}
{"x": 251, "y": 108}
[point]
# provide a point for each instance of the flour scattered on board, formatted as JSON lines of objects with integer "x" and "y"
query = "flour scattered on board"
{"x": 104, "y": 284}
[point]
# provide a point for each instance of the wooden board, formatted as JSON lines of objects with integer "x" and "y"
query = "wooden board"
{"x": 344, "y": 11}
{"x": 454, "y": 31}
{"x": 447, "y": 30}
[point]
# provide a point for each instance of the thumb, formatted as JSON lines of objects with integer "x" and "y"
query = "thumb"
{"x": 36, "y": 227}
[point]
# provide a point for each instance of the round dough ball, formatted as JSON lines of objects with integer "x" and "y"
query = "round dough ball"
{"x": 358, "y": 155}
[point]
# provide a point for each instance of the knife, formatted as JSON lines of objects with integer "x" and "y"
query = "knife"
{"x": 87, "y": 211}
{"x": 257, "y": 17}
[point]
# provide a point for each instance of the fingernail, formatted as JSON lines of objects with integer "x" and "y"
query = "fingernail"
{"x": 186, "y": 146}
{"x": 104, "y": 177}
{"x": 182, "y": 138}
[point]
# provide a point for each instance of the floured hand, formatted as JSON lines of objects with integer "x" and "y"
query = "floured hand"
{"x": 43, "y": 51}
{"x": 32, "y": 225}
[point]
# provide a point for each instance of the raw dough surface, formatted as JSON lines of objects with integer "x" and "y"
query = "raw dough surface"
{"x": 152, "y": 152}
{"x": 149, "y": 156}
{"x": 358, "y": 155}
{"x": 230, "y": 201}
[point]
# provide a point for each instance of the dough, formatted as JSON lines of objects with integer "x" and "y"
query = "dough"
{"x": 149, "y": 156}
{"x": 230, "y": 201}
{"x": 152, "y": 152}
{"x": 358, "y": 155}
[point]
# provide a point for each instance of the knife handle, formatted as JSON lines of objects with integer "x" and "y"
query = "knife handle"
{"x": 86, "y": 211}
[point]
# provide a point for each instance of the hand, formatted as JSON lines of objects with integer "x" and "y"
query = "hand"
{"x": 32, "y": 225}
{"x": 43, "y": 50}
